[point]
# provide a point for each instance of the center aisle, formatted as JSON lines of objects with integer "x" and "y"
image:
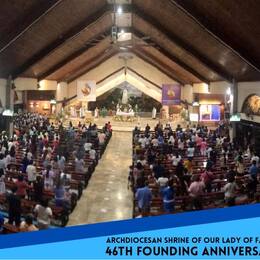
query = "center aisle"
{"x": 107, "y": 198}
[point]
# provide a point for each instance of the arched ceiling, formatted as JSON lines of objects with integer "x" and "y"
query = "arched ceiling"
{"x": 132, "y": 78}
{"x": 134, "y": 64}
{"x": 190, "y": 40}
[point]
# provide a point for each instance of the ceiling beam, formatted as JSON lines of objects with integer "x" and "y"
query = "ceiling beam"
{"x": 74, "y": 55}
{"x": 163, "y": 68}
{"x": 96, "y": 61}
{"x": 182, "y": 44}
{"x": 218, "y": 35}
{"x": 57, "y": 43}
{"x": 172, "y": 57}
{"x": 23, "y": 26}
{"x": 132, "y": 70}
{"x": 110, "y": 75}
{"x": 91, "y": 43}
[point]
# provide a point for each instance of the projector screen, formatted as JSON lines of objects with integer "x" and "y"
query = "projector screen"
{"x": 209, "y": 113}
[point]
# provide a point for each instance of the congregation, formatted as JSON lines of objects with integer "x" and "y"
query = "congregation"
{"x": 43, "y": 169}
{"x": 176, "y": 170}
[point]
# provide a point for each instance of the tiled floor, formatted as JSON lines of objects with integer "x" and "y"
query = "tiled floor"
{"x": 107, "y": 198}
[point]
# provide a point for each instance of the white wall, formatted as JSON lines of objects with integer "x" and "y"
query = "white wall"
{"x": 214, "y": 87}
{"x": 48, "y": 85}
{"x": 31, "y": 84}
{"x": 187, "y": 93}
{"x": 3, "y": 91}
{"x": 25, "y": 84}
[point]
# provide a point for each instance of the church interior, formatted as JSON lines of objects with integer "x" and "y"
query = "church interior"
{"x": 120, "y": 109}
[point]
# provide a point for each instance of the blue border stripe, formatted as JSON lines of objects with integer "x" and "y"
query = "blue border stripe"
{"x": 130, "y": 226}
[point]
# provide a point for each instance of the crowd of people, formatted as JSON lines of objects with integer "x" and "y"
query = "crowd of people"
{"x": 42, "y": 152}
{"x": 172, "y": 165}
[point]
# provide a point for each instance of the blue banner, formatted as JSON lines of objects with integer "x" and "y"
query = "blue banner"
{"x": 210, "y": 234}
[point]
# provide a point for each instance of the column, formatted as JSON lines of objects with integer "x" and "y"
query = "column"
{"x": 9, "y": 104}
{"x": 61, "y": 93}
{"x": 234, "y": 106}
{"x": 2, "y": 92}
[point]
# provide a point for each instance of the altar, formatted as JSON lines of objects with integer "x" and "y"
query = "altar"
{"x": 125, "y": 116}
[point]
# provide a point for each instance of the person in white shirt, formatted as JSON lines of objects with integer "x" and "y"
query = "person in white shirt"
{"x": 142, "y": 141}
{"x": 180, "y": 144}
{"x": 255, "y": 158}
{"x": 176, "y": 159}
{"x": 171, "y": 140}
{"x": 8, "y": 160}
{"x": 87, "y": 146}
{"x": 218, "y": 142}
{"x": 10, "y": 145}
{"x": 43, "y": 214}
{"x": 92, "y": 154}
{"x": 29, "y": 156}
{"x": 80, "y": 166}
{"x": 162, "y": 182}
{"x": 61, "y": 163}
{"x": 209, "y": 150}
{"x": 31, "y": 172}
{"x": 190, "y": 152}
{"x": 230, "y": 192}
{"x": 155, "y": 142}
{"x": 101, "y": 138}
{"x": 3, "y": 150}
{"x": 2, "y": 182}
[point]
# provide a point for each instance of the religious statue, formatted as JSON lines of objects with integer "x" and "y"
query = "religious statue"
{"x": 154, "y": 113}
{"x": 96, "y": 112}
{"x": 125, "y": 97}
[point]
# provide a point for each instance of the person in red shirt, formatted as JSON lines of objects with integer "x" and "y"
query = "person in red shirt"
{"x": 45, "y": 140}
{"x": 22, "y": 187}
{"x": 56, "y": 144}
{"x": 203, "y": 147}
{"x": 207, "y": 178}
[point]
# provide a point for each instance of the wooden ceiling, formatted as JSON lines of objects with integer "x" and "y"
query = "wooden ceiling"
{"x": 190, "y": 40}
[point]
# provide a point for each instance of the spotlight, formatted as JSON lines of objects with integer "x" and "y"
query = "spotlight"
{"x": 119, "y": 10}
{"x": 122, "y": 31}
